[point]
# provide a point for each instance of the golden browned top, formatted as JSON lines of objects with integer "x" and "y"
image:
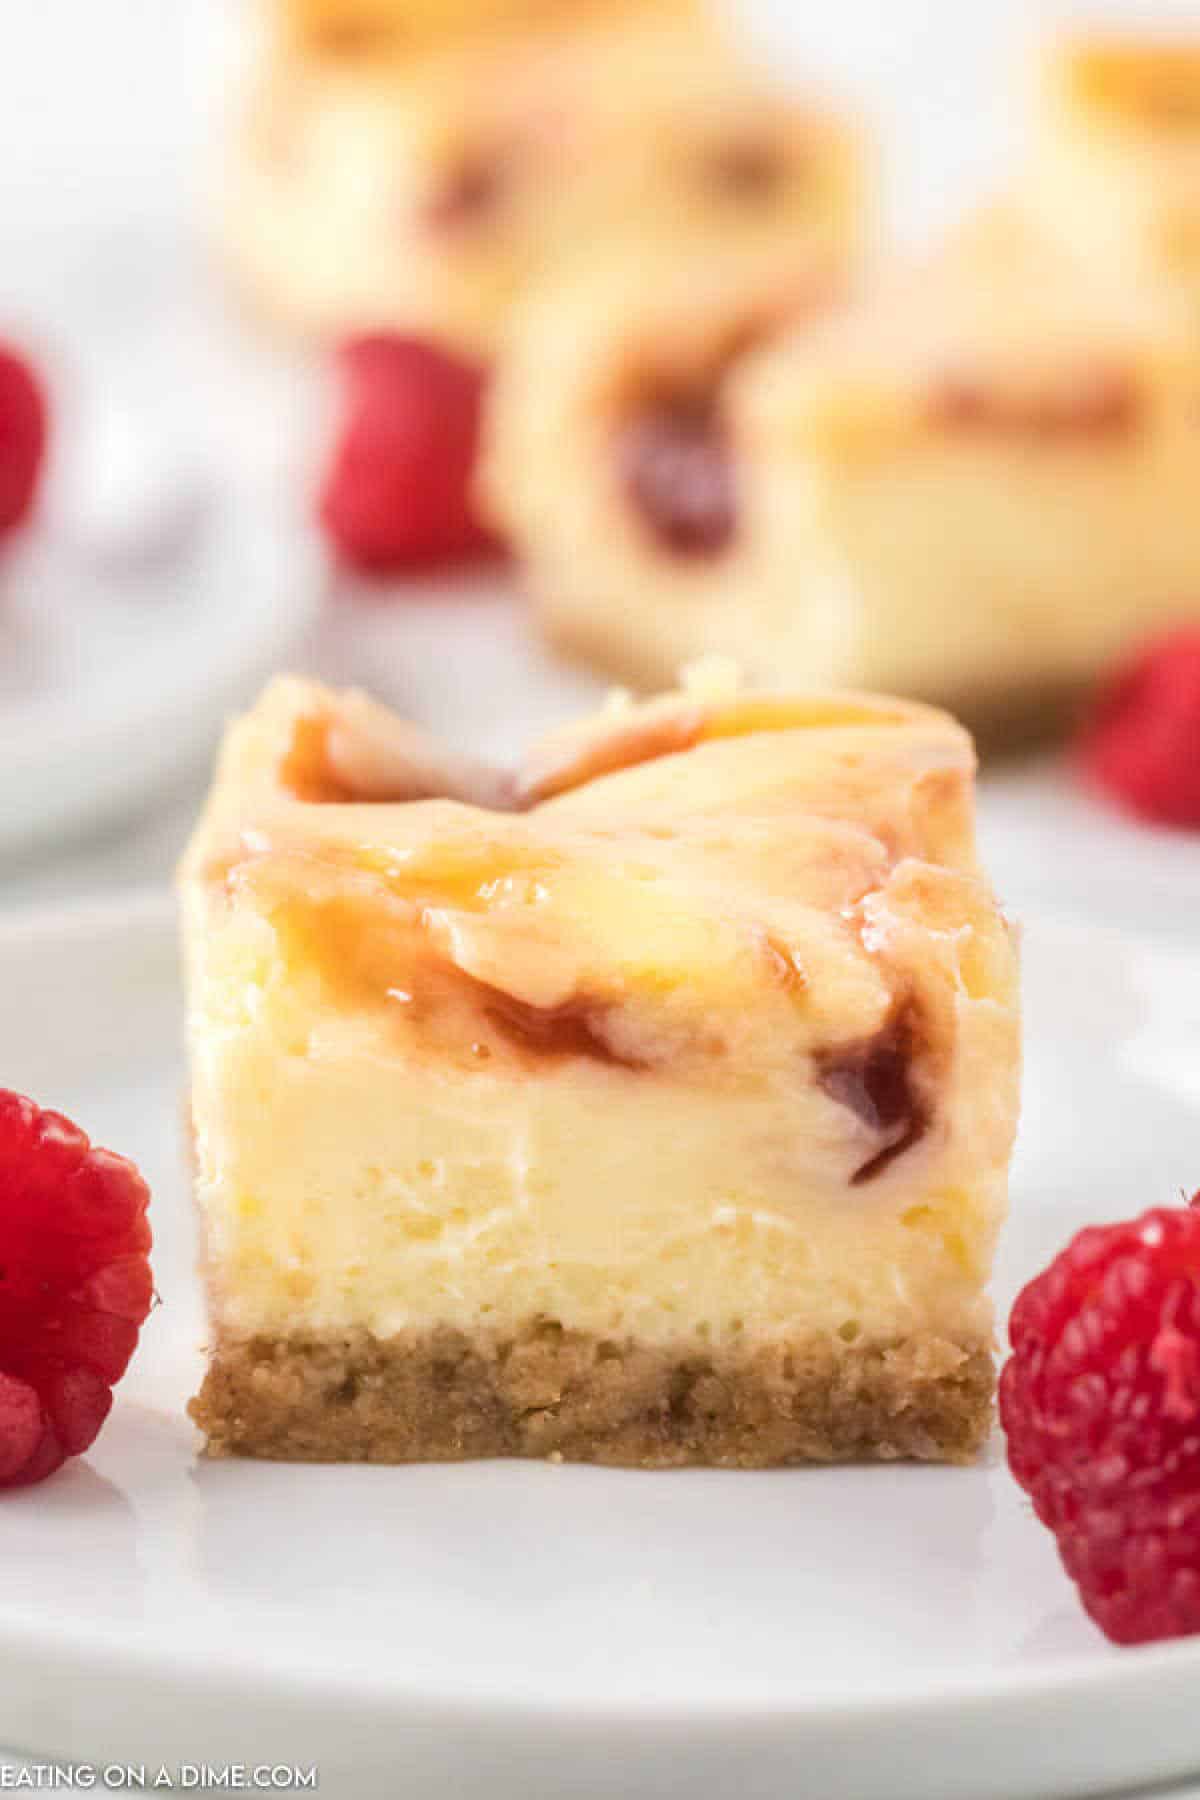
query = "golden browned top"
{"x": 781, "y": 809}
{"x": 316, "y": 767}
{"x": 624, "y": 737}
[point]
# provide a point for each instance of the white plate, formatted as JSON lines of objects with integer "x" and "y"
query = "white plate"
{"x": 113, "y": 684}
{"x": 509, "y": 1630}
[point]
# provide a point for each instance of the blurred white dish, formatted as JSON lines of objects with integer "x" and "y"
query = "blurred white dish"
{"x": 493, "y": 1631}
{"x": 130, "y": 489}
{"x": 114, "y": 682}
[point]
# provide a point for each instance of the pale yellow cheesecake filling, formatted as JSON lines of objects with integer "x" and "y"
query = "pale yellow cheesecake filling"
{"x": 417, "y": 1201}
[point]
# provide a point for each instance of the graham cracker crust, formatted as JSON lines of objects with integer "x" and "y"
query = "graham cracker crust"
{"x": 444, "y": 1396}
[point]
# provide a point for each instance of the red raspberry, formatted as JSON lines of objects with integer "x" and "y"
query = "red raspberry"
{"x": 22, "y": 438}
{"x": 75, "y": 1286}
{"x": 398, "y": 491}
{"x": 1142, "y": 744}
{"x": 1101, "y": 1403}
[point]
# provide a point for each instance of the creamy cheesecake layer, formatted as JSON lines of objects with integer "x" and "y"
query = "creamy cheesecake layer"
{"x": 971, "y": 483}
{"x": 414, "y": 1198}
{"x": 709, "y": 1041}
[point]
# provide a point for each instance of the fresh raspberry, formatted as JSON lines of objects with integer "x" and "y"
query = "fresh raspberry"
{"x": 22, "y": 438}
{"x": 1142, "y": 743}
{"x": 397, "y": 494}
{"x": 1101, "y": 1403}
{"x": 75, "y": 1286}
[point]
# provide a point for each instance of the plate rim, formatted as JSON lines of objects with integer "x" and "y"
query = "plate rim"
{"x": 277, "y": 572}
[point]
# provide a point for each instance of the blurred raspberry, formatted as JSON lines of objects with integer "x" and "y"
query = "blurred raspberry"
{"x": 75, "y": 1286}
{"x": 397, "y": 494}
{"x": 22, "y": 438}
{"x": 1142, "y": 743}
{"x": 1101, "y": 1404}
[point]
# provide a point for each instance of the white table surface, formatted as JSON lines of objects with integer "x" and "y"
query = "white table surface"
{"x": 106, "y": 112}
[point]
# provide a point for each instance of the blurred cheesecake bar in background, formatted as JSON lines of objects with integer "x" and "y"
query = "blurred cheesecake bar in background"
{"x": 1115, "y": 173}
{"x": 652, "y": 1105}
{"x": 363, "y": 27}
{"x": 612, "y": 461}
{"x": 420, "y": 194}
{"x": 974, "y": 483}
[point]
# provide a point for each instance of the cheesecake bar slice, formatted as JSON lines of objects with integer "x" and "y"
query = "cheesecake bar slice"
{"x": 1115, "y": 169}
{"x": 650, "y": 1105}
{"x": 423, "y": 194}
{"x": 971, "y": 483}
